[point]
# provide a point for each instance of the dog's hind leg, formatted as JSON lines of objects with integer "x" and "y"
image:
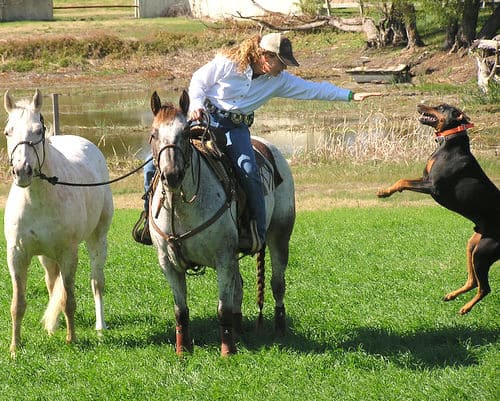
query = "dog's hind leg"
{"x": 471, "y": 276}
{"x": 485, "y": 254}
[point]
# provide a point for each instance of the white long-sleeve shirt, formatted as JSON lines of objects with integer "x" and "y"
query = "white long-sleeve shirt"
{"x": 228, "y": 89}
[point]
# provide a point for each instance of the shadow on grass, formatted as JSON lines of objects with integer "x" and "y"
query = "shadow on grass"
{"x": 450, "y": 346}
{"x": 432, "y": 348}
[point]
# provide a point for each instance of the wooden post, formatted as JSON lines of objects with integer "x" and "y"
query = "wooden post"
{"x": 55, "y": 112}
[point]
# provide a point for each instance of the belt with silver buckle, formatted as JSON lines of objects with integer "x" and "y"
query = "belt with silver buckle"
{"x": 235, "y": 117}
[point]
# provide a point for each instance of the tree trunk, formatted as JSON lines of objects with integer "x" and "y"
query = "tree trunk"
{"x": 491, "y": 26}
{"x": 410, "y": 20}
{"x": 451, "y": 34}
{"x": 467, "y": 31}
{"x": 396, "y": 30}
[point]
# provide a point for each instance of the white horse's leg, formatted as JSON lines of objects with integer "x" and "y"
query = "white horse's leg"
{"x": 18, "y": 267}
{"x": 177, "y": 282}
{"x": 226, "y": 275}
{"x": 51, "y": 272}
{"x": 97, "y": 247}
{"x": 68, "y": 266}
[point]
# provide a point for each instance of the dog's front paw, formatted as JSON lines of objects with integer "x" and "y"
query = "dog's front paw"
{"x": 383, "y": 193}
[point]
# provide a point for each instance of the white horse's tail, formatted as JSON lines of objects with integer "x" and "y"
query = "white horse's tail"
{"x": 51, "y": 316}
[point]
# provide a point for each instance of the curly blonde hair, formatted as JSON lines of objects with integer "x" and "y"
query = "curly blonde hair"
{"x": 246, "y": 53}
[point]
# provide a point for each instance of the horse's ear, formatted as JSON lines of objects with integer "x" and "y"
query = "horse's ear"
{"x": 155, "y": 103}
{"x": 37, "y": 100}
{"x": 8, "y": 102}
{"x": 184, "y": 102}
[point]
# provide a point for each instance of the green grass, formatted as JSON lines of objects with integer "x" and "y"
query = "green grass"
{"x": 366, "y": 322}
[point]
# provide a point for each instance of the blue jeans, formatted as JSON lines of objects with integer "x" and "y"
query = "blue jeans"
{"x": 234, "y": 141}
{"x": 149, "y": 171}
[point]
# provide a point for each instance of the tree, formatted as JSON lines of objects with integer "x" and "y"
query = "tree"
{"x": 491, "y": 26}
{"x": 459, "y": 19}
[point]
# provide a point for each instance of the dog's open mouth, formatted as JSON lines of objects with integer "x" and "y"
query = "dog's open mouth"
{"x": 428, "y": 119}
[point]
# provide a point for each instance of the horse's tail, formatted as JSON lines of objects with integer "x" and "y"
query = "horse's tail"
{"x": 260, "y": 285}
{"x": 51, "y": 316}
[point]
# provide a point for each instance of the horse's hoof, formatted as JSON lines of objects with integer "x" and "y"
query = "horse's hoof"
{"x": 228, "y": 347}
{"x": 228, "y": 350}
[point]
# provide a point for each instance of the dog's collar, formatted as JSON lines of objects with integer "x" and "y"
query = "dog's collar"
{"x": 456, "y": 130}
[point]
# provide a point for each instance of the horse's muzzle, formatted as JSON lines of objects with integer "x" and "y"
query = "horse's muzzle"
{"x": 22, "y": 175}
{"x": 172, "y": 179}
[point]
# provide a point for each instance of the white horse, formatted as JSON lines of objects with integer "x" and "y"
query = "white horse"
{"x": 50, "y": 221}
{"x": 193, "y": 223}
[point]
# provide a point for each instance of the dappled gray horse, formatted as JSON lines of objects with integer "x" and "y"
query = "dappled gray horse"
{"x": 193, "y": 223}
{"x": 50, "y": 221}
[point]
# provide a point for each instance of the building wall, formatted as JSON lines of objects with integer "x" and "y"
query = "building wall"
{"x": 159, "y": 8}
{"x": 213, "y": 9}
{"x": 17, "y": 10}
{"x": 219, "y": 9}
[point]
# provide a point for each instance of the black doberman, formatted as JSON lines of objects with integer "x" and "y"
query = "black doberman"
{"x": 454, "y": 178}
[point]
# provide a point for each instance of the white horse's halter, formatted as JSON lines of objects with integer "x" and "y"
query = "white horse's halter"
{"x": 32, "y": 145}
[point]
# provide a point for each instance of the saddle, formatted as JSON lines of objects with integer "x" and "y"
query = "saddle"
{"x": 204, "y": 141}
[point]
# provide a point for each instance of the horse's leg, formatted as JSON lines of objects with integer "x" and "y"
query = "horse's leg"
{"x": 53, "y": 281}
{"x": 18, "y": 267}
{"x": 226, "y": 274}
{"x": 68, "y": 266}
{"x": 237, "y": 301}
{"x": 277, "y": 241}
{"x": 97, "y": 246}
{"x": 51, "y": 272}
{"x": 178, "y": 286}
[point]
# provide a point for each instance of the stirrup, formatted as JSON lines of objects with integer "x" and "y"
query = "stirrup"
{"x": 140, "y": 232}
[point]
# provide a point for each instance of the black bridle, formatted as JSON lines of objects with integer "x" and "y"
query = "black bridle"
{"x": 33, "y": 144}
{"x": 186, "y": 154}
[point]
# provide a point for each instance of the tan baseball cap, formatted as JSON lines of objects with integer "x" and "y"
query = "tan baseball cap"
{"x": 280, "y": 45}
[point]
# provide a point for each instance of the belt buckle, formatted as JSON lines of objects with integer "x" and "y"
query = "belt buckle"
{"x": 248, "y": 119}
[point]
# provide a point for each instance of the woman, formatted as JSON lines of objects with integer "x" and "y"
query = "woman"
{"x": 237, "y": 82}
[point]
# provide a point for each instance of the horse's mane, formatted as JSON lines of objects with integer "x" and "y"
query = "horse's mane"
{"x": 168, "y": 111}
{"x": 24, "y": 104}
{"x": 27, "y": 105}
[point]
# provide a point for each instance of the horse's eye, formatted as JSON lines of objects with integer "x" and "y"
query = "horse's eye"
{"x": 38, "y": 131}
{"x": 7, "y": 132}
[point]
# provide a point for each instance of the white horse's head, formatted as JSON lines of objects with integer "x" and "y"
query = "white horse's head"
{"x": 25, "y": 134}
{"x": 170, "y": 139}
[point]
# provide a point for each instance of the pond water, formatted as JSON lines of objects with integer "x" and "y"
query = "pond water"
{"x": 119, "y": 121}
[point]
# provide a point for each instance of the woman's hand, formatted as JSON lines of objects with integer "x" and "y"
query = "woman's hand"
{"x": 363, "y": 95}
{"x": 196, "y": 115}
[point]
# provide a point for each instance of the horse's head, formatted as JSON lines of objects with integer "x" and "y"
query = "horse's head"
{"x": 170, "y": 139}
{"x": 25, "y": 134}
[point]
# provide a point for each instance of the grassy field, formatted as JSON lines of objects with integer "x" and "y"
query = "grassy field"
{"x": 365, "y": 278}
{"x": 365, "y": 316}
